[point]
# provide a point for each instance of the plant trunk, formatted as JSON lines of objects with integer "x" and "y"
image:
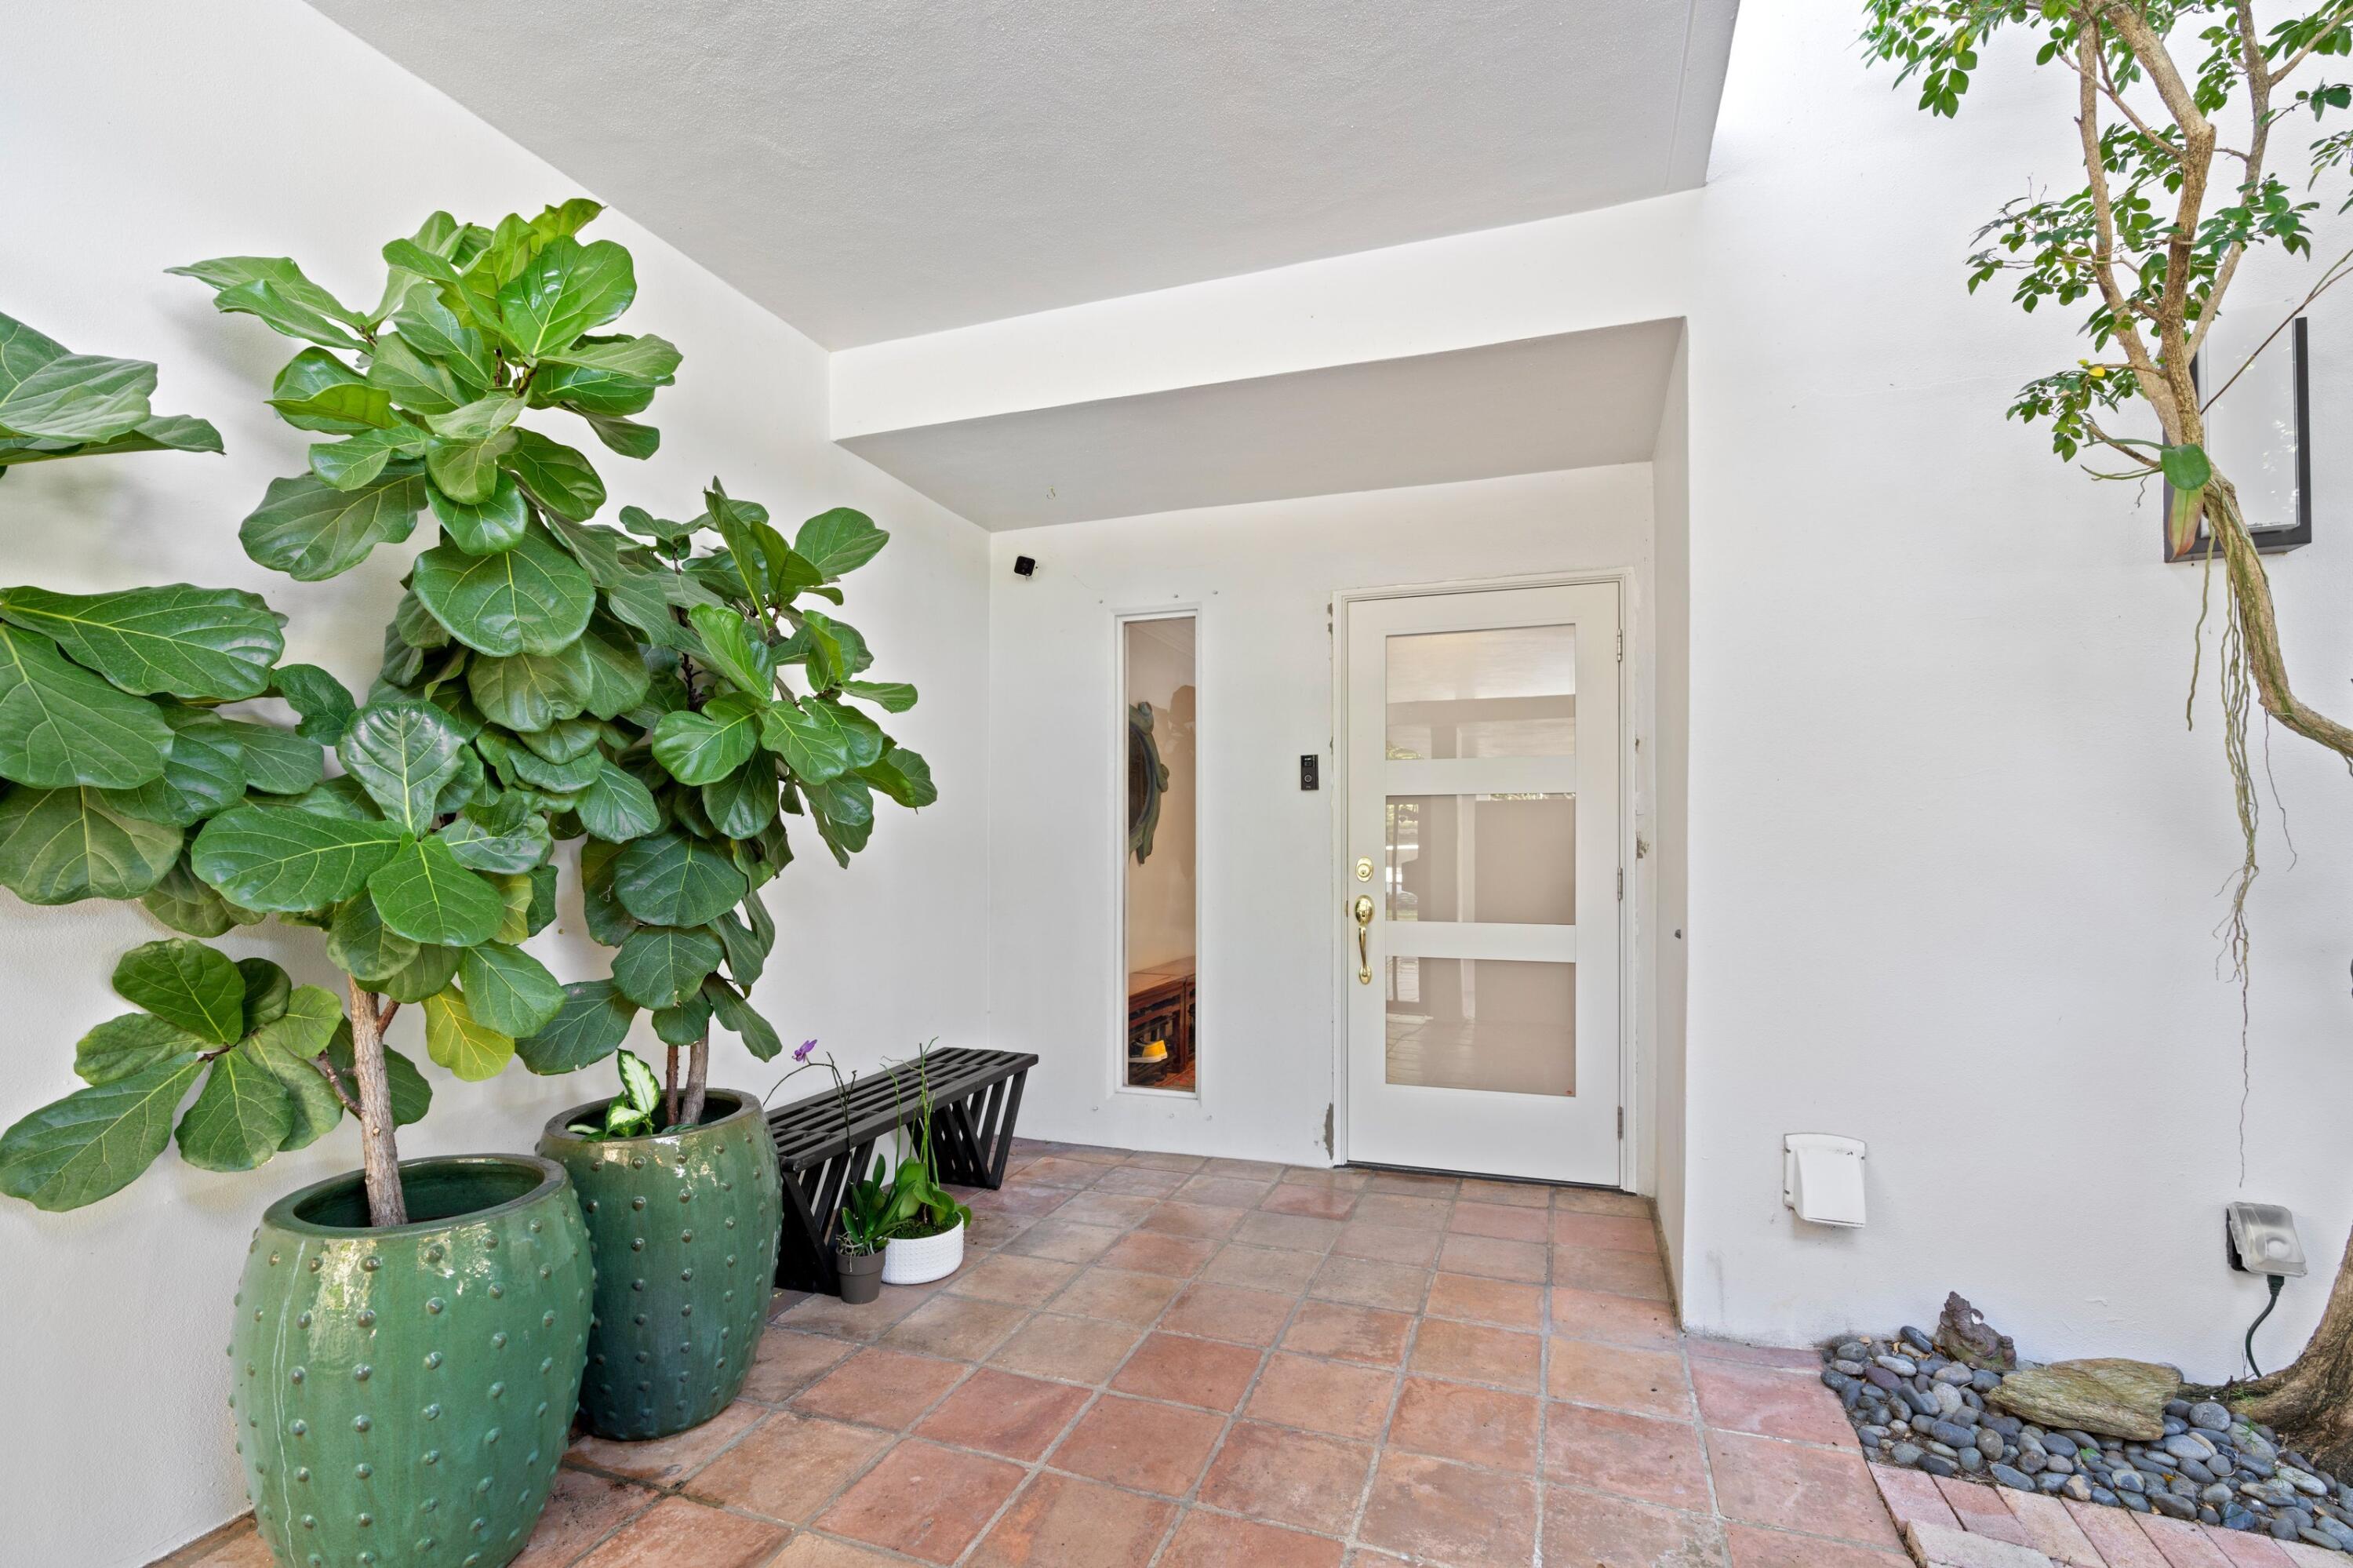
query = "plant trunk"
{"x": 2251, "y": 585}
{"x": 698, "y": 1077}
{"x": 2309, "y": 1402}
{"x": 379, "y": 1155}
{"x": 670, "y": 1090}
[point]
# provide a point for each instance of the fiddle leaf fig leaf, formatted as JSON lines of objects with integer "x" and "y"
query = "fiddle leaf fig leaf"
{"x": 839, "y": 541}
{"x": 567, "y": 289}
{"x": 361, "y": 945}
{"x": 730, "y": 647}
{"x": 273, "y": 289}
{"x": 403, "y": 754}
{"x": 311, "y": 530}
{"x": 239, "y": 1118}
{"x": 532, "y": 598}
{"x": 283, "y": 858}
{"x": 903, "y": 776}
{"x": 528, "y": 691}
{"x": 468, "y": 471}
{"x": 324, "y": 703}
{"x": 562, "y": 481}
{"x": 809, "y": 738}
{"x": 488, "y": 526}
{"x": 670, "y": 879}
{"x": 704, "y": 747}
{"x": 182, "y": 901}
{"x": 509, "y": 990}
{"x": 462, "y": 1042}
{"x": 615, "y": 806}
{"x": 69, "y": 396}
{"x": 426, "y": 897}
{"x": 130, "y": 1043}
{"x": 426, "y": 974}
{"x": 661, "y": 966}
{"x": 588, "y": 1026}
{"x": 412, "y": 1097}
{"x": 268, "y": 991}
{"x": 478, "y": 847}
{"x": 187, "y": 985}
{"x": 890, "y": 697}
{"x": 204, "y": 773}
{"x": 61, "y": 726}
{"x": 276, "y": 761}
{"x": 737, "y": 1015}
{"x": 287, "y": 1049}
{"x": 60, "y": 846}
{"x": 188, "y": 642}
{"x": 95, "y": 1141}
{"x": 684, "y": 1024}
{"x": 744, "y": 802}
{"x": 647, "y": 358}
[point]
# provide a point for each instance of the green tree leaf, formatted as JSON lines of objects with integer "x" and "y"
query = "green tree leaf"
{"x": 350, "y": 464}
{"x": 275, "y": 290}
{"x": 730, "y": 647}
{"x": 588, "y": 1027}
{"x": 425, "y": 896}
{"x": 684, "y": 1024}
{"x": 61, "y": 726}
{"x": 533, "y": 599}
{"x": 478, "y": 847}
{"x": 187, "y": 984}
{"x": 844, "y": 809}
{"x": 427, "y": 324}
{"x": 189, "y": 642}
{"x": 704, "y": 747}
{"x": 280, "y": 858}
{"x": 204, "y": 773}
{"x": 508, "y": 989}
{"x": 182, "y": 901}
{"x": 890, "y": 697}
{"x": 744, "y": 802}
{"x": 316, "y": 391}
{"x": 324, "y": 703}
{"x": 267, "y": 989}
{"x": 361, "y": 945}
{"x": 285, "y": 1050}
{"x": 95, "y": 1141}
{"x": 809, "y": 738}
{"x": 903, "y": 776}
{"x": 661, "y": 966}
{"x": 747, "y": 954}
{"x": 839, "y": 541}
{"x": 130, "y": 1043}
{"x": 468, "y": 471}
{"x": 670, "y": 879}
{"x": 616, "y": 807}
{"x": 60, "y": 846}
{"x": 403, "y": 754}
{"x": 239, "y": 1118}
{"x": 311, "y": 531}
{"x": 276, "y": 761}
{"x": 411, "y": 379}
{"x": 567, "y": 289}
{"x": 459, "y": 1041}
{"x": 742, "y": 1020}
{"x": 486, "y": 527}
{"x": 558, "y": 477}
{"x": 412, "y": 1097}
{"x": 428, "y": 974}
{"x": 647, "y": 358}
{"x": 63, "y": 396}
{"x": 526, "y": 692}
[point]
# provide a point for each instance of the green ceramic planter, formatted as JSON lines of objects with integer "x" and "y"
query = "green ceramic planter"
{"x": 684, "y": 1227}
{"x": 403, "y": 1395}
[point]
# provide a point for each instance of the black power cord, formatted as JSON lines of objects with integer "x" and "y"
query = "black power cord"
{"x": 2277, "y": 1281}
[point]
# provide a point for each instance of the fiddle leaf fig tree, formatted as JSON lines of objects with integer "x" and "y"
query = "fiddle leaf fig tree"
{"x": 489, "y": 733}
{"x": 756, "y": 711}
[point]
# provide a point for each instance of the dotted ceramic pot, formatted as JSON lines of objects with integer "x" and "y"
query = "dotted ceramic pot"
{"x": 403, "y": 1395}
{"x": 684, "y": 1227}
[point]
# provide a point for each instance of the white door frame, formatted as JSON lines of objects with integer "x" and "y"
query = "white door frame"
{"x": 1342, "y": 886}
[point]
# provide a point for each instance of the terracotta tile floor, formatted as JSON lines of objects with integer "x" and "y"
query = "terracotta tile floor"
{"x": 1162, "y": 1359}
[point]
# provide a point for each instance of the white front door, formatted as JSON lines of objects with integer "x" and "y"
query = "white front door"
{"x": 1481, "y": 885}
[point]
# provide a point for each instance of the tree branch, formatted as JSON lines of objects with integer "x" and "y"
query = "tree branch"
{"x": 335, "y": 1082}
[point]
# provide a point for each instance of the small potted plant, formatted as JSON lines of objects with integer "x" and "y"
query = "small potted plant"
{"x": 683, "y": 1219}
{"x": 862, "y": 1244}
{"x": 924, "y": 1222}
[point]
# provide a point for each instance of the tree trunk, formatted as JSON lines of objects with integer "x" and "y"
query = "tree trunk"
{"x": 379, "y": 1155}
{"x": 2309, "y": 1402}
{"x": 670, "y": 1090}
{"x": 698, "y": 1077}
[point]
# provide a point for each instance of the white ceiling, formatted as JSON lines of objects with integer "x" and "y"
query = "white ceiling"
{"x": 870, "y": 169}
{"x": 1571, "y": 401}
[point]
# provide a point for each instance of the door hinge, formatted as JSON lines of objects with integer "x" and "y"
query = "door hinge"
{"x": 1621, "y": 648}
{"x": 1621, "y": 1124}
{"x": 1622, "y": 884}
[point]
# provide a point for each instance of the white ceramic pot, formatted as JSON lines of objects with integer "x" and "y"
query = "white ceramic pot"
{"x": 919, "y": 1260}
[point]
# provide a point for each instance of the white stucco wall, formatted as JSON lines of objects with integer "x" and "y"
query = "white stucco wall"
{"x": 1953, "y": 860}
{"x": 1260, "y": 577}
{"x": 143, "y": 134}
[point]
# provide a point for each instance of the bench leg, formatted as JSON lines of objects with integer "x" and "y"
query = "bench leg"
{"x": 805, "y": 1259}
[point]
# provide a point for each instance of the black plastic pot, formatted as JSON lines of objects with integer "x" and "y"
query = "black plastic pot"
{"x": 861, "y": 1277}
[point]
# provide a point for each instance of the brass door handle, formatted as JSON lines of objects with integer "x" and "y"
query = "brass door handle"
{"x": 1364, "y": 913}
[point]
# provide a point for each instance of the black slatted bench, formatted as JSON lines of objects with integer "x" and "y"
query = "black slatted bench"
{"x": 976, "y": 1094}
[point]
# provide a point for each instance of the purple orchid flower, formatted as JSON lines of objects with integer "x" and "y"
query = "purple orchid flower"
{"x": 802, "y": 1055}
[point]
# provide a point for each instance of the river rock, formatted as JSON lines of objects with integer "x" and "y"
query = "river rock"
{"x": 2111, "y": 1396}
